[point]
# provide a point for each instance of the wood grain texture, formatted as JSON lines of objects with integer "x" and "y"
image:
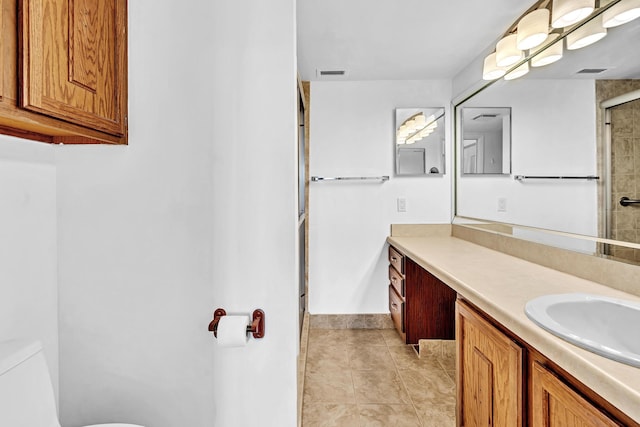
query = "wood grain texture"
{"x": 397, "y": 310}
{"x": 557, "y": 405}
{"x": 73, "y": 63}
{"x": 396, "y": 259}
{"x": 430, "y": 305}
{"x": 2, "y": 49}
{"x": 397, "y": 280}
{"x": 8, "y": 57}
{"x": 490, "y": 379}
{"x": 83, "y": 43}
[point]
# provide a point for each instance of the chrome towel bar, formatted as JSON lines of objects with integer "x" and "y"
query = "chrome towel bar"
{"x": 351, "y": 178}
{"x": 586, "y": 177}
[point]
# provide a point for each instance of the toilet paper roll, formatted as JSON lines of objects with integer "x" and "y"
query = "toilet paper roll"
{"x": 232, "y": 331}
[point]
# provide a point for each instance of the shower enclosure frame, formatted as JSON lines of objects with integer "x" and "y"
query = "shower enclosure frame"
{"x": 606, "y": 107}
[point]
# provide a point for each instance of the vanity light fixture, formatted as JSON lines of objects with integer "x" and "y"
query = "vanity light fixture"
{"x": 568, "y": 12}
{"x": 415, "y": 128}
{"x": 518, "y": 72}
{"x": 621, "y": 13}
{"x": 507, "y": 52}
{"x": 588, "y": 34}
{"x": 551, "y": 54}
{"x": 490, "y": 70}
{"x": 533, "y": 29}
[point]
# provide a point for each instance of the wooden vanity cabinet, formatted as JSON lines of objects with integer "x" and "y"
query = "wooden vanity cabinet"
{"x": 502, "y": 381}
{"x": 490, "y": 380}
{"x": 63, "y": 68}
{"x": 421, "y": 305}
{"x": 555, "y": 404}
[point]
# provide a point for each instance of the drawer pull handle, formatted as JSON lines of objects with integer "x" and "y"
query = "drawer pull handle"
{"x": 393, "y": 279}
{"x": 394, "y": 259}
{"x": 394, "y": 305}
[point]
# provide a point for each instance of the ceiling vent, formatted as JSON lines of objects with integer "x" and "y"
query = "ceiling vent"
{"x": 592, "y": 71}
{"x": 330, "y": 73}
{"x": 485, "y": 117}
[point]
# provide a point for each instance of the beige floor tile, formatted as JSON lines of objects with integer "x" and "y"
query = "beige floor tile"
{"x": 361, "y": 337}
{"x": 322, "y": 358}
{"x": 436, "y": 416}
{"x": 392, "y": 337}
{"x": 447, "y": 362}
{"x": 330, "y": 415}
{"x": 406, "y": 358}
{"x": 370, "y": 357}
{"x": 372, "y": 415}
{"x": 433, "y": 387}
{"x": 368, "y": 377}
{"x": 329, "y": 386}
{"x": 452, "y": 375}
{"x": 379, "y": 387}
{"x": 324, "y": 336}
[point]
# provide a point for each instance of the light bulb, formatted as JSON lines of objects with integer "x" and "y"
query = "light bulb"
{"x": 568, "y": 12}
{"x": 551, "y": 54}
{"x": 491, "y": 71}
{"x": 507, "y": 52}
{"x": 518, "y": 72}
{"x": 588, "y": 34}
{"x": 533, "y": 29}
{"x": 621, "y": 13}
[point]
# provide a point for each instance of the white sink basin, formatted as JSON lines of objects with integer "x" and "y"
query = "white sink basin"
{"x": 607, "y": 326}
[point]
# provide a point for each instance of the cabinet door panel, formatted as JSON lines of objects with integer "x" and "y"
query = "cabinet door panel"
{"x": 396, "y": 308}
{"x": 557, "y": 405}
{"x": 430, "y": 305}
{"x": 490, "y": 380}
{"x": 8, "y": 43}
{"x": 2, "y": 49}
{"x": 73, "y": 61}
{"x": 396, "y": 280}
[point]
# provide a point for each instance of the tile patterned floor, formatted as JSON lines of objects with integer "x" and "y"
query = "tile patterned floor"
{"x": 369, "y": 377}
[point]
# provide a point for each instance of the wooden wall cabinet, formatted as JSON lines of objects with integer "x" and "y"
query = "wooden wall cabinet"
{"x": 64, "y": 70}
{"x": 421, "y": 305}
{"x": 502, "y": 381}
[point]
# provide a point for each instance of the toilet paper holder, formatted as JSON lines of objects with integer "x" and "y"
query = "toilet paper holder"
{"x": 256, "y": 327}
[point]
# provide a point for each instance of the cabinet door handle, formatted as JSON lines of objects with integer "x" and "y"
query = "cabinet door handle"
{"x": 394, "y": 259}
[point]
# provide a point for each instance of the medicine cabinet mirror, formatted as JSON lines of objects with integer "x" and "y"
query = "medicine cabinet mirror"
{"x": 486, "y": 140}
{"x": 567, "y": 148}
{"x": 419, "y": 141}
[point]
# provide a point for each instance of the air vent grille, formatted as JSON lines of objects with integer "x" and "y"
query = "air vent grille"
{"x": 482, "y": 117}
{"x": 592, "y": 71}
{"x": 331, "y": 72}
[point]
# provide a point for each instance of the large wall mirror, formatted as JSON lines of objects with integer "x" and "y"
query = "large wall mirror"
{"x": 419, "y": 141}
{"x": 569, "y": 169}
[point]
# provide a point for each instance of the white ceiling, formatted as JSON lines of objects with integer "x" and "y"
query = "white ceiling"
{"x": 398, "y": 39}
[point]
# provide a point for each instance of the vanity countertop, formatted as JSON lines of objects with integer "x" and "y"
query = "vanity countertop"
{"x": 501, "y": 285}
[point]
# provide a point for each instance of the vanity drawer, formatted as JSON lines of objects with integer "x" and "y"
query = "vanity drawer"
{"x": 396, "y": 280}
{"x": 396, "y": 259}
{"x": 396, "y": 307}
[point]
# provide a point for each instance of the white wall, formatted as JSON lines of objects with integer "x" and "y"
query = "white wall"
{"x": 544, "y": 142}
{"x": 28, "y": 253}
{"x": 352, "y": 134}
{"x": 198, "y": 212}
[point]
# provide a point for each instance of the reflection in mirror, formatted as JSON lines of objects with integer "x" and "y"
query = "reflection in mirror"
{"x": 419, "y": 141}
{"x": 486, "y": 140}
{"x": 558, "y": 130}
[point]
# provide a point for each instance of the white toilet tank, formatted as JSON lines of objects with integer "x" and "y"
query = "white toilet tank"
{"x": 26, "y": 394}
